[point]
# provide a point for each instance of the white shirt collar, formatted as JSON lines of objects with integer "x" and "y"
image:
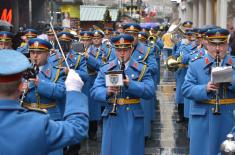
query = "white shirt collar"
{"x": 126, "y": 64}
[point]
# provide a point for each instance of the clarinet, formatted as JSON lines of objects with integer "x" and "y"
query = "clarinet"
{"x": 216, "y": 109}
{"x": 123, "y": 69}
{"x": 28, "y": 74}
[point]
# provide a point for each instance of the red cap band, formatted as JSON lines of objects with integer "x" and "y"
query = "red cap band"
{"x": 10, "y": 78}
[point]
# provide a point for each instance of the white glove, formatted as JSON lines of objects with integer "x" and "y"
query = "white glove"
{"x": 73, "y": 81}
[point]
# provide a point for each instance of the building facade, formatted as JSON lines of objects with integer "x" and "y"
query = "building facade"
{"x": 207, "y": 12}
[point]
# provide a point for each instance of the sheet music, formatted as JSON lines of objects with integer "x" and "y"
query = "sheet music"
{"x": 222, "y": 74}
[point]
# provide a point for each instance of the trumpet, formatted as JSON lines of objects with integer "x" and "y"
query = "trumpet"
{"x": 216, "y": 109}
{"x": 152, "y": 39}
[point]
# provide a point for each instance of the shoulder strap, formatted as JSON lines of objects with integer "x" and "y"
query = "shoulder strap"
{"x": 78, "y": 62}
{"x": 58, "y": 71}
{"x": 147, "y": 53}
{"x": 142, "y": 72}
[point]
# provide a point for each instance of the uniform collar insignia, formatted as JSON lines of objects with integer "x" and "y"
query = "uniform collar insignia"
{"x": 71, "y": 56}
{"x": 201, "y": 53}
{"x": 48, "y": 72}
{"x": 135, "y": 65}
{"x": 230, "y": 61}
{"x": 112, "y": 64}
{"x": 206, "y": 61}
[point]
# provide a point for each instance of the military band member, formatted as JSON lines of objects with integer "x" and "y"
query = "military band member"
{"x": 76, "y": 61}
{"x": 94, "y": 61}
{"x": 183, "y": 56}
{"x": 124, "y": 133}
{"x": 107, "y": 33}
{"x": 86, "y": 39}
{"x": 143, "y": 53}
{"x": 207, "y": 129}
{"x": 51, "y": 37}
{"x": 28, "y": 34}
{"x": 33, "y": 131}
{"x": 6, "y": 40}
{"x": 48, "y": 78}
{"x": 119, "y": 28}
{"x": 143, "y": 37}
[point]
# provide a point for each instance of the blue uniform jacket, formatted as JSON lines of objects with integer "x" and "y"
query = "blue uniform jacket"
{"x": 75, "y": 61}
{"x": 50, "y": 89}
{"x": 126, "y": 130}
{"x": 26, "y": 132}
{"x": 94, "y": 61}
{"x": 78, "y": 63}
{"x": 207, "y": 131}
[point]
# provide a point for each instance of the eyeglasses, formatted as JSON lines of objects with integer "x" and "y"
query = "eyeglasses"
{"x": 215, "y": 45}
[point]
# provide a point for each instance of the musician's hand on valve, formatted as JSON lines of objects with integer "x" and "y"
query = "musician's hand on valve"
{"x": 212, "y": 87}
{"x": 112, "y": 90}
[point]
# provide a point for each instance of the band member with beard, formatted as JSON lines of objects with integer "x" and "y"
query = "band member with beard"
{"x": 96, "y": 55}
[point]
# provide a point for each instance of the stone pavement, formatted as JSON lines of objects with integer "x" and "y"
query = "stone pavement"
{"x": 168, "y": 137}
